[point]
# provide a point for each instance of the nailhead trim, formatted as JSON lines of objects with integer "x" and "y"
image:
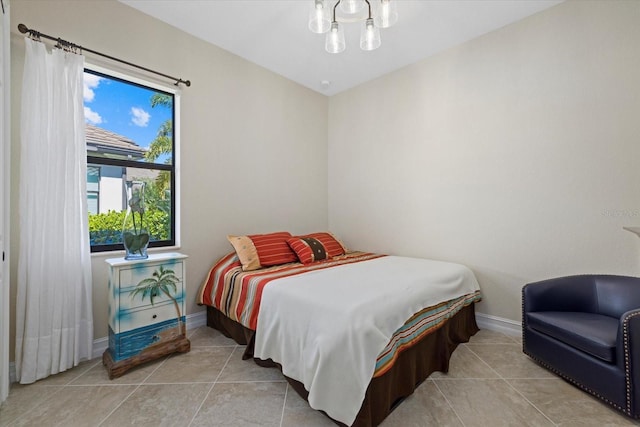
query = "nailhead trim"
{"x": 579, "y": 385}
{"x": 627, "y": 363}
{"x": 627, "y": 358}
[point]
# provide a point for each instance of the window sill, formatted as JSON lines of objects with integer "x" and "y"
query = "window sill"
{"x": 112, "y": 254}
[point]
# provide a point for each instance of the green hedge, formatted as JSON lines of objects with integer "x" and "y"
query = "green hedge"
{"x": 106, "y": 228}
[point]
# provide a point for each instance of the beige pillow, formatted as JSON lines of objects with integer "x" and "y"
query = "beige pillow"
{"x": 246, "y": 251}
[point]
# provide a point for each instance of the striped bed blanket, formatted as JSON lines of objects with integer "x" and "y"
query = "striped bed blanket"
{"x": 237, "y": 294}
{"x": 419, "y": 325}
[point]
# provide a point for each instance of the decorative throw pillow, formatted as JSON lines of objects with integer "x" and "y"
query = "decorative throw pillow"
{"x": 263, "y": 250}
{"x": 332, "y": 245}
{"x": 308, "y": 249}
{"x": 316, "y": 246}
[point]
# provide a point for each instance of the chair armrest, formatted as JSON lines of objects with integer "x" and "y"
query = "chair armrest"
{"x": 628, "y": 349}
{"x": 570, "y": 293}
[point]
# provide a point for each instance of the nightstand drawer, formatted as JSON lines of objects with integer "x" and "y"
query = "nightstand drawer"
{"x": 130, "y": 277}
{"x": 131, "y": 343}
{"x": 133, "y": 319}
{"x": 129, "y": 302}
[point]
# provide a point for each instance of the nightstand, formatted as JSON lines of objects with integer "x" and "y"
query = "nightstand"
{"x": 146, "y": 311}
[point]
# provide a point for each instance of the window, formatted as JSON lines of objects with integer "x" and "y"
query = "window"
{"x": 130, "y": 136}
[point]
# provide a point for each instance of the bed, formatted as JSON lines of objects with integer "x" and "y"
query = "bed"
{"x": 354, "y": 333}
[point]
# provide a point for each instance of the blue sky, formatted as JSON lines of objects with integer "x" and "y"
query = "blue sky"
{"x": 123, "y": 108}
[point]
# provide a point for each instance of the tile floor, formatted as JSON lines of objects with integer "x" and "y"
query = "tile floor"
{"x": 490, "y": 383}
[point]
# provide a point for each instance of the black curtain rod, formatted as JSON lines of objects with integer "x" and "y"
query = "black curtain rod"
{"x": 23, "y": 29}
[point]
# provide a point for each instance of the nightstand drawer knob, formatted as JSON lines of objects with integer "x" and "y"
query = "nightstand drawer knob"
{"x": 154, "y": 316}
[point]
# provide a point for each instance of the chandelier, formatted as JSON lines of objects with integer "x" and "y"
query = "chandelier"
{"x": 324, "y": 19}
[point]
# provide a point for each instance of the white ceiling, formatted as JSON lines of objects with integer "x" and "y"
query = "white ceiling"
{"x": 274, "y": 34}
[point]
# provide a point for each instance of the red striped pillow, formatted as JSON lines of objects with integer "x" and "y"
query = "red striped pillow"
{"x": 330, "y": 243}
{"x": 308, "y": 249}
{"x": 263, "y": 250}
{"x": 316, "y": 247}
{"x": 273, "y": 249}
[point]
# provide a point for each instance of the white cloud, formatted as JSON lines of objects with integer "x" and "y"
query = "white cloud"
{"x": 91, "y": 81}
{"x": 139, "y": 117}
{"x": 91, "y": 116}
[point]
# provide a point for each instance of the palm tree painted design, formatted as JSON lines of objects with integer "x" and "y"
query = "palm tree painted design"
{"x": 162, "y": 281}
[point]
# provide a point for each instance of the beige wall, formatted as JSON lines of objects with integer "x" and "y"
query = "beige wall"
{"x": 517, "y": 153}
{"x": 254, "y": 153}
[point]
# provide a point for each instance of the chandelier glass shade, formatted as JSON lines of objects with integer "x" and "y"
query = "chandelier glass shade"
{"x": 351, "y": 6}
{"x": 319, "y": 20}
{"x": 335, "y": 42}
{"x": 369, "y": 36}
{"x": 387, "y": 14}
{"x": 324, "y": 19}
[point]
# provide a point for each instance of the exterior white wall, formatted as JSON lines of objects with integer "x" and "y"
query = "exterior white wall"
{"x": 515, "y": 153}
{"x": 111, "y": 196}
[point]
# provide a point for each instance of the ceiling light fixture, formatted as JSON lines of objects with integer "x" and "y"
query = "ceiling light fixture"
{"x": 321, "y": 21}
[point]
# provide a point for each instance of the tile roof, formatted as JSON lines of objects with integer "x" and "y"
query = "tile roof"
{"x": 102, "y": 138}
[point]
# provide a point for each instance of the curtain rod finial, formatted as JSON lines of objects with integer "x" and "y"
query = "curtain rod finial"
{"x": 22, "y": 28}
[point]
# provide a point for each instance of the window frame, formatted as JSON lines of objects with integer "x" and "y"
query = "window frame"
{"x": 174, "y": 242}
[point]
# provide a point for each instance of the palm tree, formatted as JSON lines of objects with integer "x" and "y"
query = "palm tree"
{"x": 162, "y": 281}
{"x": 162, "y": 99}
{"x": 163, "y": 142}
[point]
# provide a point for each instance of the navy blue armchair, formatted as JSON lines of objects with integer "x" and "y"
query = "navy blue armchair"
{"x": 587, "y": 330}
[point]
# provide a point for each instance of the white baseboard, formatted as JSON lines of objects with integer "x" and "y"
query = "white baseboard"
{"x": 499, "y": 324}
{"x": 196, "y": 320}
{"x": 100, "y": 345}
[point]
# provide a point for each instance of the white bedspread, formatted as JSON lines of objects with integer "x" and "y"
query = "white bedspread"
{"x": 327, "y": 327}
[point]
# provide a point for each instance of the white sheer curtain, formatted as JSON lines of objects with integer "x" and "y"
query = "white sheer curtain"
{"x": 54, "y": 322}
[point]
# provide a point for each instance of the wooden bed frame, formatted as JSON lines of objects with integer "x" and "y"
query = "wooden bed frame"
{"x": 384, "y": 393}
